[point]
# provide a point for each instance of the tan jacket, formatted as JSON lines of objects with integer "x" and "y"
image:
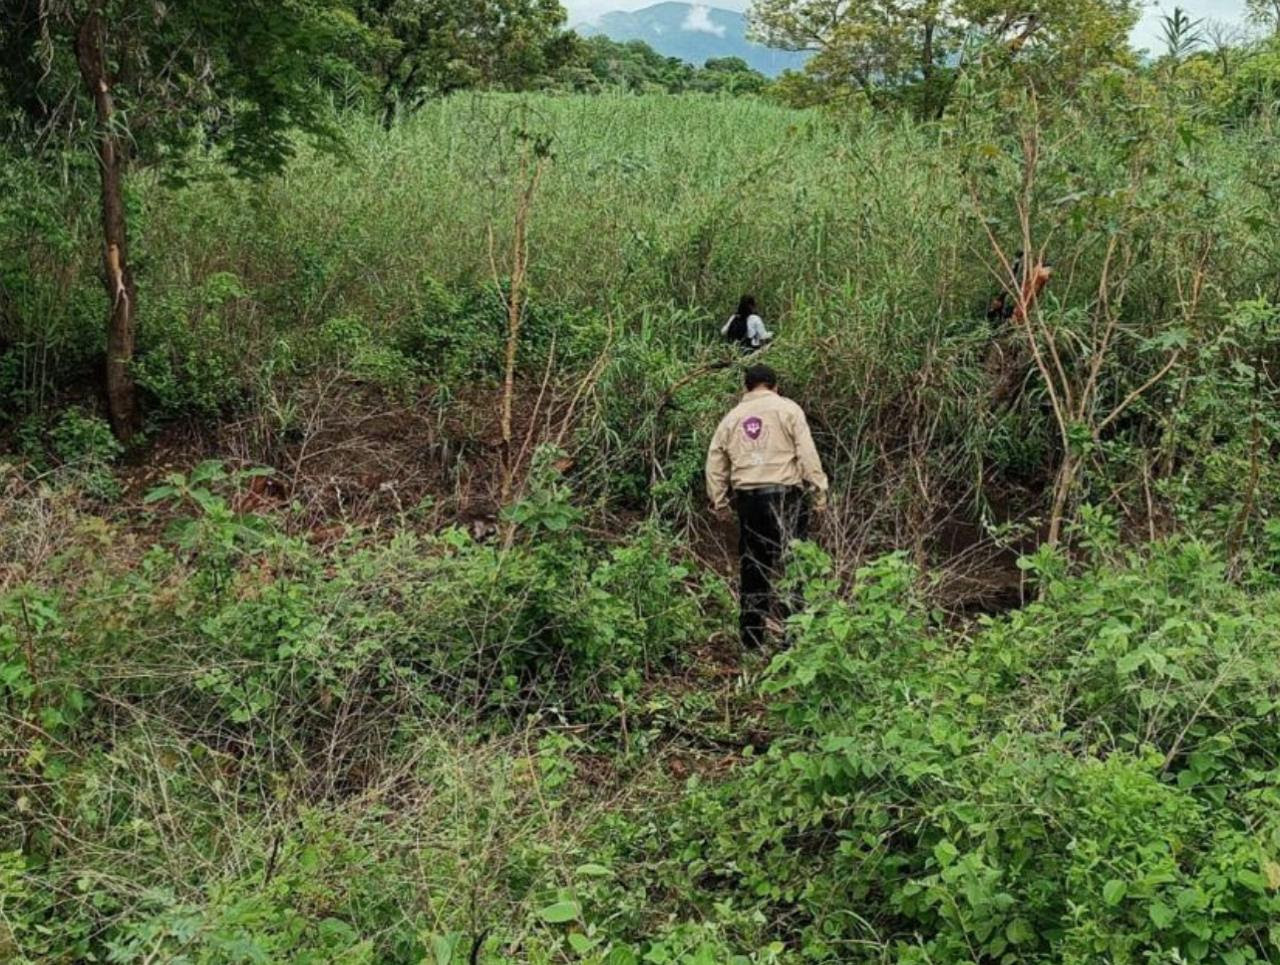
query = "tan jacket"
{"x": 765, "y": 441}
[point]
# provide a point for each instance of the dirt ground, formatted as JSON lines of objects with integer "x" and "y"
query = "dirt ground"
{"x": 351, "y": 455}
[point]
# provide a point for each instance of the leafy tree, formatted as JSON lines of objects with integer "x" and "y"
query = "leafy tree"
{"x": 863, "y": 44}
{"x": 798, "y": 89}
{"x": 143, "y": 83}
{"x": 1265, "y": 12}
{"x": 729, "y": 75}
{"x": 892, "y": 43}
{"x": 432, "y": 47}
{"x": 632, "y": 66}
{"x": 601, "y": 63}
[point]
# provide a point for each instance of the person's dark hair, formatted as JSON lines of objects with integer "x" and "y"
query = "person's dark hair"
{"x": 747, "y": 307}
{"x": 758, "y": 375}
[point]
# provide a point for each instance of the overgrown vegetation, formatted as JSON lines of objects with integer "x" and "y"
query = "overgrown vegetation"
{"x": 398, "y": 632}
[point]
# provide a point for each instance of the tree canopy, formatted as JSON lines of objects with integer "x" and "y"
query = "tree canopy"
{"x": 892, "y": 44}
{"x": 140, "y": 82}
{"x": 1265, "y": 12}
{"x": 431, "y": 47}
{"x": 599, "y": 63}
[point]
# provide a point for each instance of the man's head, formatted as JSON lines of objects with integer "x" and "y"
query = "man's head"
{"x": 760, "y": 377}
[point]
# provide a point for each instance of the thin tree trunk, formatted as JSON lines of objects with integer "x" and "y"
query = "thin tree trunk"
{"x": 527, "y": 188}
{"x": 118, "y": 278}
{"x": 926, "y": 69}
{"x": 388, "y": 105}
{"x": 396, "y": 92}
{"x": 1062, "y": 487}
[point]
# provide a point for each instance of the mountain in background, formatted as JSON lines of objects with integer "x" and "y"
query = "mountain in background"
{"x": 693, "y": 33}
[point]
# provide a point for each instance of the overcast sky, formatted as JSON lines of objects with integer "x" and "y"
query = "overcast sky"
{"x": 1148, "y": 31}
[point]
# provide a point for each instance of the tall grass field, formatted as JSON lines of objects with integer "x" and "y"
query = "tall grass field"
{"x": 363, "y": 654}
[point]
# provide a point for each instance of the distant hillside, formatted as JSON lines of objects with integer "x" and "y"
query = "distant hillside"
{"x": 695, "y": 33}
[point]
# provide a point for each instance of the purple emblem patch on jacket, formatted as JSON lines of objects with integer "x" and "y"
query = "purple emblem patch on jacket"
{"x": 752, "y": 427}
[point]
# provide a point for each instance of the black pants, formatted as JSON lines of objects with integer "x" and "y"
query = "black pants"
{"x": 767, "y": 523}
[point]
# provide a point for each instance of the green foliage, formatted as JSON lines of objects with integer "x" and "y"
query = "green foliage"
{"x": 33, "y": 671}
{"x": 81, "y": 438}
{"x": 347, "y": 344}
{"x": 600, "y": 64}
{"x": 888, "y": 48}
{"x": 1226, "y": 416}
{"x": 430, "y": 49}
{"x": 241, "y": 647}
{"x": 459, "y": 336}
{"x": 84, "y": 448}
{"x": 1256, "y": 84}
{"x": 74, "y": 447}
{"x": 251, "y": 66}
{"x": 185, "y": 364}
{"x": 462, "y": 621}
{"x": 235, "y": 732}
{"x": 50, "y": 315}
{"x": 1093, "y": 776}
{"x": 1181, "y": 35}
{"x": 647, "y": 229}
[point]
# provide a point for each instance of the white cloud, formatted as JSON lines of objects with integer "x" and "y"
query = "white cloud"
{"x": 699, "y": 21}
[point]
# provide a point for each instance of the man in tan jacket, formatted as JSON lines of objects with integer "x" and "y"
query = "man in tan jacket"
{"x": 763, "y": 453}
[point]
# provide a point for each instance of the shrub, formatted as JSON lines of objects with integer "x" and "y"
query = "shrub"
{"x": 1092, "y": 777}
{"x": 85, "y": 448}
{"x": 1256, "y": 83}
{"x": 225, "y": 669}
{"x": 186, "y": 365}
{"x": 280, "y": 633}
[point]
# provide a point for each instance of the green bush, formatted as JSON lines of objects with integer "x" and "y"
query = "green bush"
{"x": 1256, "y": 83}
{"x": 238, "y": 655}
{"x": 85, "y": 448}
{"x": 189, "y": 362}
{"x": 443, "y": 620}
{"x": 1092, "y": 777}
{"x": 81, "y": 438}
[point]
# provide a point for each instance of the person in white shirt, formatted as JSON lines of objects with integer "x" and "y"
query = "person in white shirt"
{"x": 746, "y": 328}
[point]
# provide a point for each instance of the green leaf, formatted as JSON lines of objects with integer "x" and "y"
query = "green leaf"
{"x": 207, "y": 471}
{"x": 1162, "y": 916}
{"x": 580, "y": 943}
{"x": 205, "y": 499}
{"x": 443, "y": 947}
{"x": 1019, "y": 932}
{"x": 1131, "y": 661}
{"x": 560, "y": 912}
{"x": 159, "y": 493}
{"x": 1113, "y": 892}
{"x": 594, "y": 871}
{"x": 1252, "y": 880}
{"x": 945, "y": 852}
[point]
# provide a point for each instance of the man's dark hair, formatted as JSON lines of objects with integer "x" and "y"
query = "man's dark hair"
{"x": 758, "y": 375}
